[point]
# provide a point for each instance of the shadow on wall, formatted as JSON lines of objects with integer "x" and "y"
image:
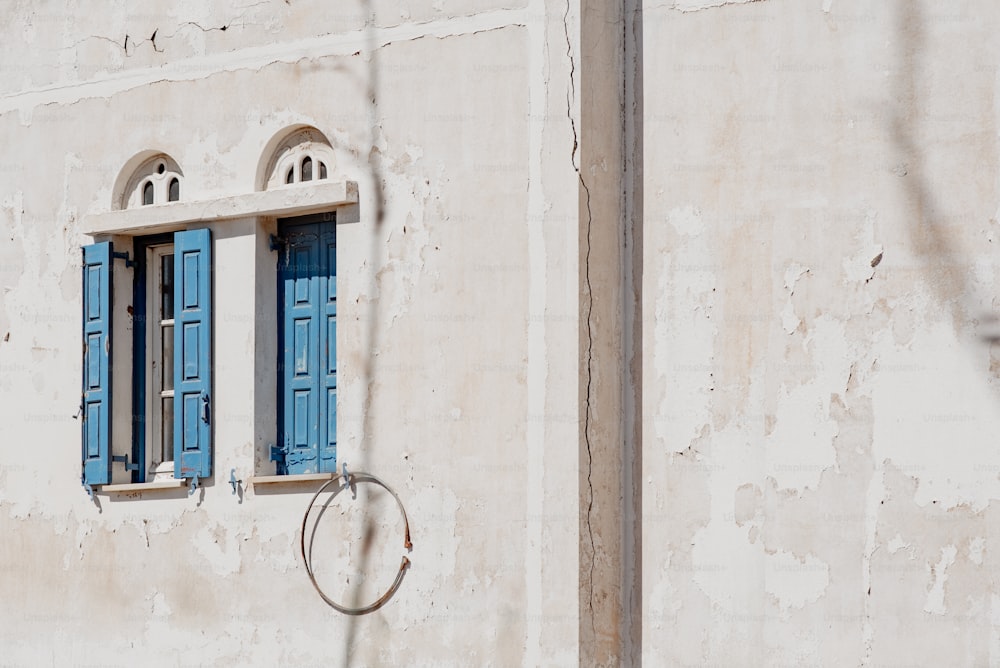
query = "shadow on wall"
{"x": 943, "y": 259}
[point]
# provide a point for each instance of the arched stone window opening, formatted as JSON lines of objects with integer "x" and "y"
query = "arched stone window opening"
{"x": 148, "y": 178}
{"x": 297, "y": 155}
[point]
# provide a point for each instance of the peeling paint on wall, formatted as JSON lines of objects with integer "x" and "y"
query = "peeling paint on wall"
{"x": 819, "y": 355}
{"x": 450, "y": 426}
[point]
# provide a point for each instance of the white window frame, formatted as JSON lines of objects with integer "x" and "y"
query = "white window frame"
{"x": 159, "y": 454}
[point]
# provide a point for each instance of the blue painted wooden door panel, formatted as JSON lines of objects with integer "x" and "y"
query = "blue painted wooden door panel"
{"x": 96, "y": 404}
{"x": 307, "y": 281}
{"x": 192, "y": 354}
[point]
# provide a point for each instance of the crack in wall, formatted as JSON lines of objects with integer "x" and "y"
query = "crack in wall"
{"x": 875, "y": 497}
{"x": 706, "y": 4}
{"x": 253, "y": 58}
{"x": 589, "y": 309}
{"x": 135, "y": 44}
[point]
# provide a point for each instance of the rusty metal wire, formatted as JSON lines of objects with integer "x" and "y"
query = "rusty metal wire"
{"x": 307, "y": 553}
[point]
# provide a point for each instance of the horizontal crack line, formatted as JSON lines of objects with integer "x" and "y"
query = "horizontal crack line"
{"x": 254, "y": 58}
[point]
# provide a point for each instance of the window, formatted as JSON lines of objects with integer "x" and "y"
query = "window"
{"x": 305, "y": 169}
{"x": 148, "y": 392}
{"x": 171, "y": 358}
{"x": 155, "y": 180}
{"x": 159, "y": 381}
{"x": 301, "y": 156}
{"x": 307, "y": 345}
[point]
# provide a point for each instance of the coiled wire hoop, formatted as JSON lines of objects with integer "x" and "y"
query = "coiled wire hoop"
{"x": 306, "y": 554}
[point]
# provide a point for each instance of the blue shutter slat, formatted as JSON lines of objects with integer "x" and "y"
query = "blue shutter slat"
{"x": 301, "y": 292}
{"x": 96, "y": 399}
{"x": 328, "y": 348}
{"x": 193, "y": 354}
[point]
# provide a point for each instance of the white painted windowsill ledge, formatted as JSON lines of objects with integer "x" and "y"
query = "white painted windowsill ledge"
{"x": 122, "y": 488}
{"x": 293, "y": 200}
{"x": 289, "y": 479}
{"x": 176, "y": 483}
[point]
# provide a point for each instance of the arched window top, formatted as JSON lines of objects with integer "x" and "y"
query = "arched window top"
{"x": 298, "y": 155}
{"x": 156, "y": 179}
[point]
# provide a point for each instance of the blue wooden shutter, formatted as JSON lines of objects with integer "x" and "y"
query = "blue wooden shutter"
{"x": 301, "y": 323}
{"x": 307, "y": 307}
{"x": 192, "y": 354}
{"x": 328, "y": 348}
{"x": 96, "y": 400}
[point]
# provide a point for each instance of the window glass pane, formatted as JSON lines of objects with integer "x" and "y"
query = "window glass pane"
{"x": 147, "y": 193}
{"x": 175, "y": 191}
{"x": 167, "y": 287}
{"x": 322, "y": 170}
{"x": 290, "y": 175}
{"x": 167, "y": 447}
{"x": 167, "y": 370}
{"x": 307, "y": 169}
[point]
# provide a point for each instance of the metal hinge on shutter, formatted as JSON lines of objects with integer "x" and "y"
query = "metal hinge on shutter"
{"x": 278, "y": 453}
{"x": 123, "y": 255}
{"x": 124, "y": 459}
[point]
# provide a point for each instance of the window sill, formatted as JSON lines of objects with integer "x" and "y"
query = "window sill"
{"x": 293, "y": 200}
{"x": 289, "y": 479}
{"x": 144, "y": 486}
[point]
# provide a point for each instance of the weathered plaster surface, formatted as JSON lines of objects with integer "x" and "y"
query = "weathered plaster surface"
{"x": 475, "y": 295}
{"x": 594, "y": 151}
{"x": 68, "y": 48}
{"x": 198, "y": 64}
{"x": 813, "y": 355}
{"x": 819, "y": 286}
{"x": 697, "y": 5}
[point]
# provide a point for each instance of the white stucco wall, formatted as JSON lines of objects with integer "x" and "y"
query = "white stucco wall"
{"x": 694, "y": 368}
{"x": 820, "y": 387}
{"x": 474, "y": 297}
